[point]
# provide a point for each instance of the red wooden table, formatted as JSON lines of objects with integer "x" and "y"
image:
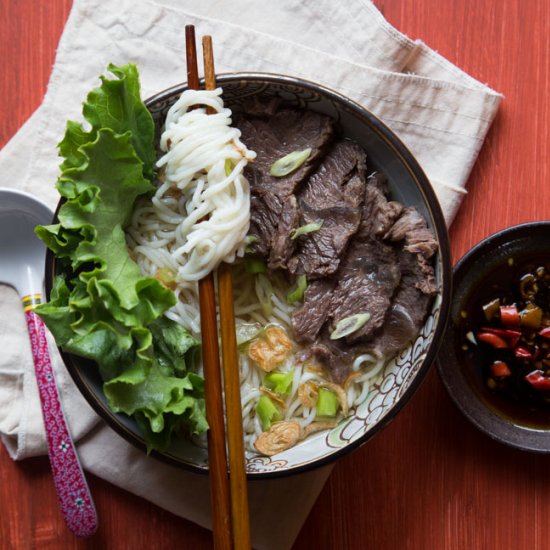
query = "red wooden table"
{"x": 430, "y": 480}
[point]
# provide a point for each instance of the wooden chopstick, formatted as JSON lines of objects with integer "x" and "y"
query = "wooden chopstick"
{"x": 217, "y": 457}
{"x": 231, "y": 378}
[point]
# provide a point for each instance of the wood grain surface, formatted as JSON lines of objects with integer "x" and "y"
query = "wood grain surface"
{"x": 430, "y": 480}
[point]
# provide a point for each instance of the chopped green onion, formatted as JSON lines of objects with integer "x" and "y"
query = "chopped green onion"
{"x": 327, "y": 403}
{"x": 267, "y": 412}
{"x": 289, "y": 163}
{"x": 279, "y": 382}
{"x": 255, "y": 265}
{"x": 348, "y": 325}
{"x": 246, "y": 332}
{"x": 297, "y": 291}
{"x": 305, "y": 229}
{"x": 229, "y": 165}
{"x": 264, "y": 292}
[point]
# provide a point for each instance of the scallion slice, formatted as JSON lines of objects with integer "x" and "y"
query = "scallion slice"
{"x": 305, "y": 229}
{"x": 297, "y": 291}
{"x": 287, "y": 164}
{"x": 348, "y": 325}
{"x": 255, "y": 265}
{"x": 228, "y": 167}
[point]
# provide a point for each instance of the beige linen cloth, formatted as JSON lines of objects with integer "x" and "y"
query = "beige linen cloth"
{"x": 440, "y": 113}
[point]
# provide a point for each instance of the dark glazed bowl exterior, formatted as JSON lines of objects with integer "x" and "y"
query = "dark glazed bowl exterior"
{"x": 403, "y": 375}
{"x": 460, "y": 377}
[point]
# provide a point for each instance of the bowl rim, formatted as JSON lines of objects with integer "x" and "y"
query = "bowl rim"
{"x": 460, "y": 391}
{"x": 431, "y": 202}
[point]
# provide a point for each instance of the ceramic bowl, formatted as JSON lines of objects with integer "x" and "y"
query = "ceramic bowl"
{"x": 459, "y": 361}
{"x": 401, "y": 376}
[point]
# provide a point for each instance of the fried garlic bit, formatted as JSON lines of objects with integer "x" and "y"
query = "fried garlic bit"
{"x": 283, "y": 435}
{"x": 271, "y": 349}
{"x": 308, "y": 392}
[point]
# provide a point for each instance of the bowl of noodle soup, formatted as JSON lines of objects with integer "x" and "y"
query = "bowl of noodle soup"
{"x": 379, "y": 386}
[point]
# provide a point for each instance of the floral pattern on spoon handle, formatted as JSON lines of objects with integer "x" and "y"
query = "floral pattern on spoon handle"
{"x": 72, "y": 489}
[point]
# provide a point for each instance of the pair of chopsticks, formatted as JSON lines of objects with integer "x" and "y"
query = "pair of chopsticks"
{"x": 228, "y": 489}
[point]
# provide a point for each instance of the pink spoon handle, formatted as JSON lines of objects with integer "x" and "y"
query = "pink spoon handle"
{"x": 74, "y": 495}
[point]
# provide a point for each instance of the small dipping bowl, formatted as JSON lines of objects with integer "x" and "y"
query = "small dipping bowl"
{"x": 483, "y": 270}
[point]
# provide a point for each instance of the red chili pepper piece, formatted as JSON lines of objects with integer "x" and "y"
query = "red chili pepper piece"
{"x": 545, "y": 333}
{"x": 510, "y": 335}
{"x": 499, "y": 369}
{"x": 538, "y": 380}
{"x": 523, "y": 353}
{"x": 492, "y": 339}
{"x": 509, "y": 315}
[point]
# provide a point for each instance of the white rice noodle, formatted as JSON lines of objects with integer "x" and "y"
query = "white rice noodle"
{"x": 199, "y": 216}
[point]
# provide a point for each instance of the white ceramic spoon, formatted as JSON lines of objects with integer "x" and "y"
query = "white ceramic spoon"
{"x": 22, "y": 266}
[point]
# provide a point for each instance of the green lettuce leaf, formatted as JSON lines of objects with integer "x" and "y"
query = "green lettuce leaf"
{"x": 117, "y": 105}
{"x": 101, "y": 307}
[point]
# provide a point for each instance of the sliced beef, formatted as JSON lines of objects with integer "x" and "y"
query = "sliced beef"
{"x": 408, "y": 311}
{"x": 282, "y": 246}
{"x": 272, "y": 138}
{"x": 398, "y": 330}
{"x": 379, "y": 214}
{"x": 308, "y": 319}
{"x": 420, "y": 242}
{"x": 320, "y": 252}
{"x": 335, "y": 355}
{"x": 286, "y": 131}
{"x": 370, "y": 254}
{"x": 402, "y": 324}
{"x": 265, "y": 212}
{"x": 327, "y": 187}
{"x": 412, "y": 228}
{"x": 426, "y": 281}
{"x": 333, "y": 196}
{"x": 366, "y": 283}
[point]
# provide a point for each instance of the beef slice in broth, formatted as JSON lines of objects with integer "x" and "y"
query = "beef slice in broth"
{"x": 336, "y": 355}
{"x": 402, "y": 324}
{"x": 412, "y": 228}
{"x": 408, "y": 309}
{"x": 332, "y": 197}
{"x": 273, "y": 137}
{"x": 378, "y": 215}
{"x": 309, "y": 318}
{"x": 366, "y": 283}
{"x": 396, "y": 290}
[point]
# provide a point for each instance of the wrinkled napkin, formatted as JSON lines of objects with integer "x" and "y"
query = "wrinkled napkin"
{"x": 439, "y": 112}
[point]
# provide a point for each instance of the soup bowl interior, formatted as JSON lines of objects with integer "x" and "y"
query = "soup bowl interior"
{"x": 402, "y": 375}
